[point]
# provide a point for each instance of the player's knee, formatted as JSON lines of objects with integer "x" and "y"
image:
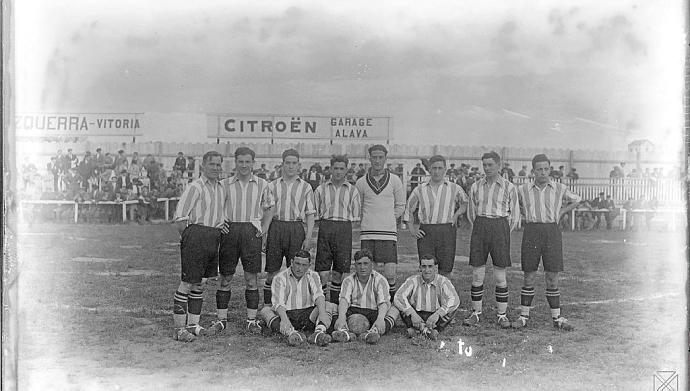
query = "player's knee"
{"x": 551, "y": 280}
{"x": 184, "y": 287}
{"x": 336, "y": 276}
{"x": 269, "y": 278}
{"x": 478, "y": 275}
{"x": 198, "y": 287}
{"x": 500, "y": 277}
{"x": 251, "y": 281}
{"x": 224, "y": 282}
{"x": 529, "y": 279}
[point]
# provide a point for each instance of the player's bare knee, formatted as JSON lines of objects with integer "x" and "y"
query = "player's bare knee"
{"x": 529, "y": 279}
{"x": 551, "y": 279}
{"x": 224, "y": 282}
{"x": 251, "y": 280}
{"x": 500, "y": 277}
{"x": 184, "y": 287}
{"x": 478, "y": 274}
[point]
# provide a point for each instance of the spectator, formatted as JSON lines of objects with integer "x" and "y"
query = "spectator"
{"x": 180, "y": 164}
{"x": 134, "y": 170}
{"x": 599, "y": 203}
{"x": 327, "y": 173}
{"x": 262, "y": 172}
{"x": 316, "y": 166}
{"x": 314, "y": 177}
{"x": 144, "y": 207}
{"x": 121, "y": 161}
{"x": 507, "y": 172}
{"x": 399, "y": 171}
{"x": 275, "y": 174}
{"x": 54, "y": 169}
{"x": 190, "y": 167}
{"x": 634, "y": 174}
{"x": 452, "y": 173}
{"x": 352, "y": 174}
{"x": 622, "y": 172}
{"x": 361, "y": 171}
{"x": 71, "y": 159}
{"x": 417, "y": 174}
{"x": 135, "y": 158}
{"x": 557, "y": 175}
{"x": 523, "y": 172}
{"x": 612, "y": 213}
{"x": 573, "y": 175}
{"x": 628, "y": 206}
{"x": 123, "y": 182}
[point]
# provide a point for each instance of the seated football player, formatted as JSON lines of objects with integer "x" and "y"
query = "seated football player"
{"x": 426, "y": 302}
{"x": 365, "y": 292}
{"x": 298, "y": 304}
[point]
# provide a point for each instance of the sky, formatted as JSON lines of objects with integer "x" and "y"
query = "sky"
{"x": 568, "y": 74}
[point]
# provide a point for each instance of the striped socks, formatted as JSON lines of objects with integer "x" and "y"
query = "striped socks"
{"x": 180, "y": 309}
{"x": 526, "y": 297}
{"x": 267, "y": 293}
{"x": 553, "y": 296}
{"x": 476, "y": 293}
{"x": 196, "y": 300}
{"x": 501, "y": 299}
{"x": 334, "y": 295}
{"x": 222, "y": 301}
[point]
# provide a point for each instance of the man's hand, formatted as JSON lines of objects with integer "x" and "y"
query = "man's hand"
{"x": 180, "y": 226}
{"x": 380, "y": 325}
{"x": 432, "y": 320}
{"x": 286, "y": 327}
{"x": 417, "y": 233}
{"x": 306, "y": 244}
{"x": 340, "y": 323}
{"x": 417, "y": 321}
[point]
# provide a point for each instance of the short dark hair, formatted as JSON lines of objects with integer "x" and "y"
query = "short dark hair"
{"x": 426, "y": 257}
{"x": 438, "y": 158}
{"x": 339, "y": 158}
{"x": 244, "y": 151}
{"x": 303, "y": 254}
{"x": 540, "y": 158}
{"x": 290, "y": 152}
{"x": 378, "y": 147}
{"x": 210, "y": 155}
{"x": 363, "y": 253}
{"x": 492, "y": 155}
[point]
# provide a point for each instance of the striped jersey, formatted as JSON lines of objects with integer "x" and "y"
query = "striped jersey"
{"x": 246, "y": 203}
{"x": 294, "y": 201}
{"x": 415, "y": 293}
{"x": 293, "y": 294}
{"x": 369, "y": 295}
{"x": 202, "y": 203}
{"x": 340, "y": 203}
{"x": 383, "y": 201}
{"x": 436, "y": 205}
{"x": 498, "y": 199}
{"x": 544, "y": 205}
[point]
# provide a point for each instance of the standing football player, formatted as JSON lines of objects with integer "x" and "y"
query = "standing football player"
{"x": 337, "y": 204}
{"x": 494, "y": 212}
{"x": 427, "y": 301}
{"x": 294, "y": 205}
{"x": 383, "y": 201}
{"x": 249, "y": 210}
{"x": 299, "y": 304}
{"x": 198, "y": 218}
{"x": 364, "y": 292}
{"x": 541, "y": 203}
{"x": 440, "y": 202}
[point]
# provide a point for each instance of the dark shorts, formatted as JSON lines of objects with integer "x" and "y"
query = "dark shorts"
{"x": 334, "y": 246}
{"x": 199, "y": 253}
{"x": 384, "y": 251}
{"x": 442, "y": 323}
{"x": 439, "y": 241}
{"x": 542, "y": 242}
{"x": 300, "y": 318}
{"x": 368, "y": 312}
{"x": 240, "y": 242}
{"x": 284, "y": 239}
{"x": 490, "y": 237}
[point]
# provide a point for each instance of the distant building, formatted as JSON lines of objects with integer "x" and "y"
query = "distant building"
{"x": 641, "y": 146}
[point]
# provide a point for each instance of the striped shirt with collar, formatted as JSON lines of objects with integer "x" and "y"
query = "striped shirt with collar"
{"x": 294, "y": 201}
{"x": 539, "y": 205}
{"x": 202, "y": 203}
{"x": 341, "y": 203}
{"x": 369, "y": 295}
{"x": 436, "y": 206}
{"x": 498, "y": 199}
{"x": 293, "y": 294}
{"x": 437, "y": 295}
{"x": 246, "y": 203}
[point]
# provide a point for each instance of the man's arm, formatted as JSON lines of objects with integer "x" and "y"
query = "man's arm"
{"x": 399, "y": 194}
{"x": 574, "y": 200}
{"x": 412, "y": 204}
{"x": 514, "y": 207}
{"x": 306, "y": 244}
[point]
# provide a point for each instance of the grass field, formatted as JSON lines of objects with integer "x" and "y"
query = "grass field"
{"x": 95, "y": 313}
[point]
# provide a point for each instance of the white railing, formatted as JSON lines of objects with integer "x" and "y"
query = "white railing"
{"x": 123, "y": 204}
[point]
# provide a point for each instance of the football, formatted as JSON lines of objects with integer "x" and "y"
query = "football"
{"x": 358, "y": 323}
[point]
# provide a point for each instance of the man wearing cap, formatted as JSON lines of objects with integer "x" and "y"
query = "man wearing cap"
{"x": 383, "y": 201}
{"x": 541, "y": 204}
{"x": 599, "y": 203}
{"x": 180, "y": 164}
